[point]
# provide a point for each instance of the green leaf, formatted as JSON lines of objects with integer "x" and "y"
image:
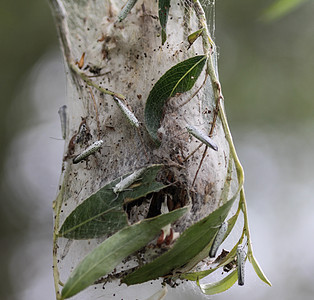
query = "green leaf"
{"x": 258, "y": 269}
{"x": 231, "y": 223}
{"x": 102, "y": 213}
{"x": 195, "y": 35}
{"x": 163, "y": 12}
{"x": 220, "y": 286}
{"x": 189, "y": 244}
{"x": 179, "y": 79}
{"x": 280, "y": 8}
{"x": 104, "y": 258}
{"x": 194, "y": 276}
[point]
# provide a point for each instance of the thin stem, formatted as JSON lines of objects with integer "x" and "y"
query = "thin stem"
{"x": 93, "y": 84}
{"x": 246, "y": 221}
{"x": 193, "y": 152}
{"x": 208, "y": 47}
{"x": 207, "y": 41}
{"x": 237, "y": 163}
{"x": 57, "y": 204}
{"x": 199, "y": 166}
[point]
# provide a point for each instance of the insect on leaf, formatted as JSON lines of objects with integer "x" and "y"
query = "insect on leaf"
{"x": 220, "y": 286}
{"x": 104, "y": 258}
{"x": 163, "y": 12}
{"x": 258, "y": 269}
{"x": 189, "y": 244}
{"x": 102, "y": 213}
{"x": 179, "y": 79}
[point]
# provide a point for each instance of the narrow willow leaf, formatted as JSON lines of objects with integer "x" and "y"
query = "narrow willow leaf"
{"x": 194, "y": 36}
{"x": 179, "y": 79}
{"x": 189, "y": 244}
{"x": 102, "y": 213}
{"x": 194, "y": 276}
{"x": 204, "y": 253}
{"x": 163, "y": 12}
{"x": 280, "y": 8}
{"x": 103, "y": 259}
{"x": 220, "y": 286}
{"x": 231, "y": 223}
{"x": 258, "y": 269}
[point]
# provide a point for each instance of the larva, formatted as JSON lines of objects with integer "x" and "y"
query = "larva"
{"x": 127, "y": 181}
{"x": 241, "y": 263}
{"x": 130, "y": 116}
{"x": 88, "y": 151}
{"x": 218, "y": 239}
{"x": 63, "y": 119}
{"x": 202, "y": 137}
{"x": 126, "y": 9}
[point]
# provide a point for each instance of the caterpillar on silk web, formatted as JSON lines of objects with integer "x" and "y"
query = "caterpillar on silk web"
{"x": 88, "y": 151}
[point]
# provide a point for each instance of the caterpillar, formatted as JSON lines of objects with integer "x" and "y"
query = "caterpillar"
{"x": 202, "y": 137}
{"x": 130, "y": 116}
{"x": 88, "y": 151}
{"x": 126, "y": 9}
{"x": 241, "y": 263}
{"x": 218, "y": 239}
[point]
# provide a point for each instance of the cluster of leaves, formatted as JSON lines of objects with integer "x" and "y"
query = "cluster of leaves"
{"x": 102, "y": 214}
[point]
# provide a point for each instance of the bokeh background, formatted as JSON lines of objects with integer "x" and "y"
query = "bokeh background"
{"x": 267, "y": 74}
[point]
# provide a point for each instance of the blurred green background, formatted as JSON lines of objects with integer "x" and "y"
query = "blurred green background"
{"x": 266, "y": 70}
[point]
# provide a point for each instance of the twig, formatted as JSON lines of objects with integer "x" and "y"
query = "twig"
{"x": 200, "y": 164}
{"x": 208, "y": 46}
{"x": 96, "y": 111}
{"x": 193, "y": 152}
{"x": 92, "y": 83}
{"x": 57, "y": 204}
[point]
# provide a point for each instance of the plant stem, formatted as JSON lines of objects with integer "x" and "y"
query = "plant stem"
{"x": 57, "y": 204}
{"x": 92, "y": 83}
{"x": 246, "y": 222}
{"x": 237, "y": 163}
